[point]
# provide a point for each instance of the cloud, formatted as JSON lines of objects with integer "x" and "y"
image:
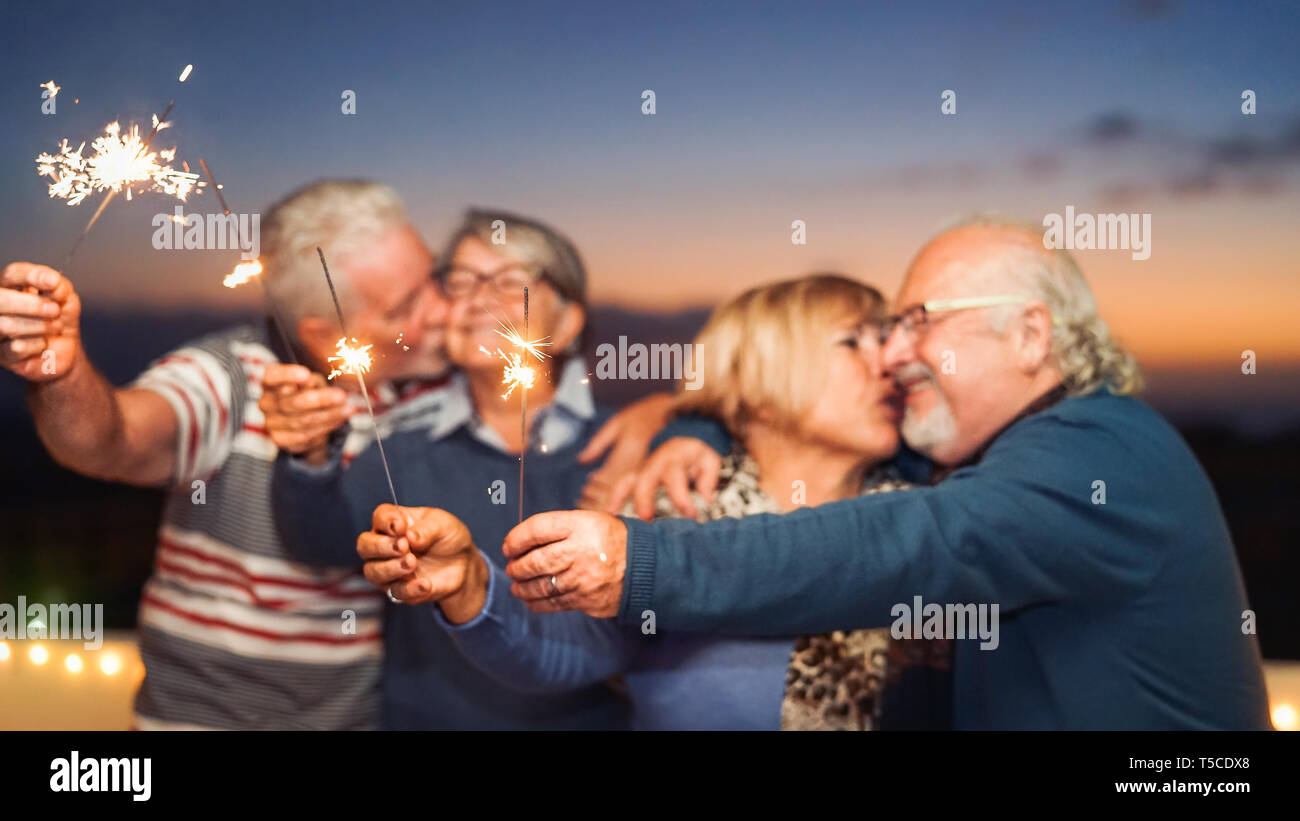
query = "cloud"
{"x": 1182, "y": 166}
{"x": 1110, "y": 127}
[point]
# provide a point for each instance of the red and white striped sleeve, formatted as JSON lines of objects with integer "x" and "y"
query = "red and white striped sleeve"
{"x": 198, "y": 387}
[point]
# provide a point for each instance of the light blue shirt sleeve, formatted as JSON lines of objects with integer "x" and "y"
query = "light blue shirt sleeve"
{"x": 539, "y": 652}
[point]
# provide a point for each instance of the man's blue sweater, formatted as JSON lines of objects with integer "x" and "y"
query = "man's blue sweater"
{"x": 1125, "y": 614}
{"x": 427, "y": 683}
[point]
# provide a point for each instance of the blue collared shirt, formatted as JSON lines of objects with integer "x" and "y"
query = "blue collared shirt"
{"x": 555, "y": 425}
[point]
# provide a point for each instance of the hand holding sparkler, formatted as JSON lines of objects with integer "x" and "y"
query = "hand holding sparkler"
{"x": 301, "y": 410}
{"x": 40, "y": 318}
{"x": 421, "y": 554}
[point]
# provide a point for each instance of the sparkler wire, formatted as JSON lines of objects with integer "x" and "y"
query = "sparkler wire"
{"x": 360, "y": 380}
{"x": 266, "y": 296}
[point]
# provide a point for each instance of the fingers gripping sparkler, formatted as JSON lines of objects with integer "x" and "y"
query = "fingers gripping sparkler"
{"x": 355, "y": 359}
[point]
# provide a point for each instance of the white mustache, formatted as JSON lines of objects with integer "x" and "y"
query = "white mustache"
{"x": 912, "y": 371}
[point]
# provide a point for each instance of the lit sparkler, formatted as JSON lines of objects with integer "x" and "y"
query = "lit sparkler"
{"x": 350, "y": 359}
{"x": 119, "y": 161}
{"x": 52, "y": 88}
{"x": 518, "y": 374}
{"x": 355, "y": 359}
{"x": 243, "y": 272}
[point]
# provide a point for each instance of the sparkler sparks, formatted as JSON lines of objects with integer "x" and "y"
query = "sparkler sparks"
{"x": 243, "y": 272}
{"x": 351, "y": 359}
{"x": 52, "y": 88}
{"x": 119, "y": 161}
{"x": 516, "y": 374}
{"x": 186, "y": 73}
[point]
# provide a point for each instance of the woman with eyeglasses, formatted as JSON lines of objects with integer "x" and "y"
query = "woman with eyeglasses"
{"x": 793, "y": 370}
{"x": 463, "y": 456}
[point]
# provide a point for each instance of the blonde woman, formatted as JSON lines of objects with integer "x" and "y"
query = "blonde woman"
{"x": 793, "y": 371}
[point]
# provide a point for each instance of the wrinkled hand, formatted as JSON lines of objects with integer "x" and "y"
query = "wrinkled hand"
{"x": 422, "y": 554}
{"x": 677, "y": 464}
{"x": 627, "y": 436}
{"x": 301, "y": 410}
{"x": 40, "y": 322}
{"x": 586, "y": 553}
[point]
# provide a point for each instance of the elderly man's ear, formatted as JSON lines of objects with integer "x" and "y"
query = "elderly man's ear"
{"x": 1034, "y": 343}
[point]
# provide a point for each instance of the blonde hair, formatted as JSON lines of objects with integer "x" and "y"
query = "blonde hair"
{"x": 765, "y": 350}
{"x": 1087, "y": 356}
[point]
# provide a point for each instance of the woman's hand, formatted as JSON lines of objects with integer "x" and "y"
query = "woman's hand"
{"x": 627, "y": 437}
{"x": 676, "y": 465}
{"x": 421, "y": 554}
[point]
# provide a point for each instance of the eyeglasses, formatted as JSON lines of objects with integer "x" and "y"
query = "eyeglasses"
{"x": 915, "y": 321}
{"x": 458, "y": 281}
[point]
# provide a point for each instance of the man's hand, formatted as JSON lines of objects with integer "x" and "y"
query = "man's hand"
{"x": 629, "y": 433}
{"x": 422, "y": 554}
{"x": 40, "y": 321}
{"x": 568, "y": 560}
{"x": 301, "y": 410}
{"x": 676, "y": 465}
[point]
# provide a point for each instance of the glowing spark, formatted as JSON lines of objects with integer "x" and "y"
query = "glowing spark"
{"x": 243, "y": 272}
{"x": 186, "y": 72}
{"x": 118, "y": 161}
{"x": 512, "y": 335}
{"x": 398, "y": 341}
{"x": 515, "y": 374}
{"x": 53, "y": 89}
{"x": 352, "y": 359}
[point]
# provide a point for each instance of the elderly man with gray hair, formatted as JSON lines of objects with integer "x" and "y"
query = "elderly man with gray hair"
{"x": 234, "y": 634}
{"x": 1064, "y": 501}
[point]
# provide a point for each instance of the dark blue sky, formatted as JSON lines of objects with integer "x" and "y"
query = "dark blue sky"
{"x": 767, "y": 112}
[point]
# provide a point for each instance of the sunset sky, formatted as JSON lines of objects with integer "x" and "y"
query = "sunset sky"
{"x": 766, "y": 113}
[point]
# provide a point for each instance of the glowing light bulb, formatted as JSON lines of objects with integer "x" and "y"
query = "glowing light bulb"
{"x": 1284, "y": 717}
{"x": 4, "y": 651}
{"x": 38, "y": 654}
{"x": 110, "y": 664}
{"x": 73, "y": 663}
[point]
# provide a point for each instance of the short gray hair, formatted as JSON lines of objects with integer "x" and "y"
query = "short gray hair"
{"x": 1086, "y": 354}
{"x": 339, "y": 216}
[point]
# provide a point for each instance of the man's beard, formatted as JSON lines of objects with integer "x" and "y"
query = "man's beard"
{"x": 937, "y": 427}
